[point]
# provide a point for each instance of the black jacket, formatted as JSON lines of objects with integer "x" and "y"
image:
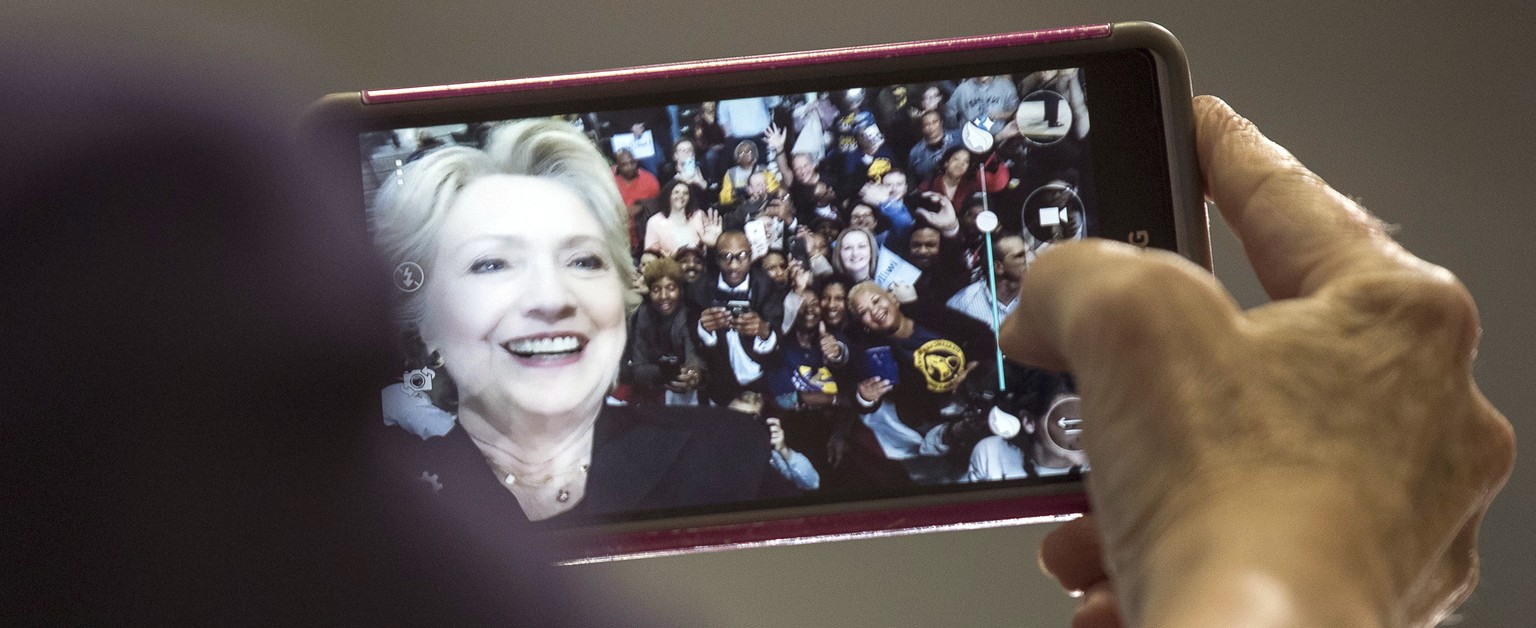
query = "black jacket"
{"x": 644, "y": 459}
{"x": 766, "y": 299}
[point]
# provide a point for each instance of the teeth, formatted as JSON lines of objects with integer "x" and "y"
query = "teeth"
{"x": 538, "y": 346}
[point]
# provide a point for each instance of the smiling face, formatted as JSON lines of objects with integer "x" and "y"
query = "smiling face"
{"x": 692, "y": 263}
{"x": 925, "y": 247}
{"x": 834, "y": 304}
{"x": 804, "y": 168}
{"x": 746, "y": 154}
{"x": 525, "y": 306}
{"x": 733, "y": 254}
{"x": 877, "y": 310}
{"x": 809, "y": 316}
{"x": 777, "y": 268}
{"x": 677, "y": 200}
{"x": 665, "y": 295}
{"x": 855, "y": 252}
{"x": 862, "y": 217}
{"x": 957, "y": 164}
{"x": 757, "y": 185}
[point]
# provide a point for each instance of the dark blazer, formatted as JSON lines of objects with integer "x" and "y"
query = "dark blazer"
{"x": 767, "y": 301}
{"x": 649, "y": 335}
{"x": 644, "y": 458}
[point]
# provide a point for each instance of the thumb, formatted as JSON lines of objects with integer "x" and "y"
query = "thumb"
{"x": 1073, "y": 315}
{"x": 823, "y": 328}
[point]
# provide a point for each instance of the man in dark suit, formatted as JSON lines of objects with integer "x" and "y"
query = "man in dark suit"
{"x": 739, "y": 308}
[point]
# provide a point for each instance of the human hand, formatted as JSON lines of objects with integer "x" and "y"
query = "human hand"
{"x": 1324, "y": 459}
{"x": 1074, "y": 555}
{"x": 876, "y": 194}
{"x": 874, "y": 389}
{"x": 904, "y": 292}
{"x": 800, "y": 278}
{"x": 774, "y": 137}
{"x": 687, "y": 379}
{"x": 945, "y": 220}
{"x": 715, "y": 319}
{"x": 966, "y": 430}
{"x": 776, "y": 436}
{"x": 750, "y": 324}
{"x": 964, "y": 373}
{"x": 831, "y": 349}
{"x": 714, "y": 225}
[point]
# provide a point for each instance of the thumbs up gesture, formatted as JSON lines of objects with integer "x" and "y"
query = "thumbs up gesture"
{"x": 831, "y": 349}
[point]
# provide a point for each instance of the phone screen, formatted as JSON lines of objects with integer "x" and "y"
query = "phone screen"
{"x": 685, "y": 270}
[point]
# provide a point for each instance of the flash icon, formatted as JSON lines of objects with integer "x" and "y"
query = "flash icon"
{"x": 409, "y": 277}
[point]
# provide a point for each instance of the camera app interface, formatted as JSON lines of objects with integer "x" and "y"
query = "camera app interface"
{"x": 720, "y": 303}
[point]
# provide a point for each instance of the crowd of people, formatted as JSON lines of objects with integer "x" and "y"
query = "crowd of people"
{"x": 815, "y": 260}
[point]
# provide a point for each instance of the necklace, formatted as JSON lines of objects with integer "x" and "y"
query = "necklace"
{"x": 514, "y": 480}
{"x": 572, "y": 479}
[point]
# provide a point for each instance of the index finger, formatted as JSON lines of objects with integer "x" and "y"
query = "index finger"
{"x": 1299, "y": 233}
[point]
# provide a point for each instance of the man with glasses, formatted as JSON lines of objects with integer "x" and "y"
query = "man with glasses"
{"x": 738, "y": 307}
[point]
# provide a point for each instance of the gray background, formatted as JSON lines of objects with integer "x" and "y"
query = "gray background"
{"x": 1421, "y": 111}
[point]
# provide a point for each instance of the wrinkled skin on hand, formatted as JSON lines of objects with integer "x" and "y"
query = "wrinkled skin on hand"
{"x": 1324, "y": 459}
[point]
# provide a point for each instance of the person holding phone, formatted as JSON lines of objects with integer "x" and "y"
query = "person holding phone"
{"x": 1385, "y": 535}
{"x": 1369, "y": 456}
{"x": 518, "y": 320}
{"x": 738, "y": 312}
{"x": 661, "y": 363}
{"x": 912, "y": 374}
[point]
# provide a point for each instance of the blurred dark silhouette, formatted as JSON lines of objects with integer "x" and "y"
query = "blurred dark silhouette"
{"x": 195, "y": 332}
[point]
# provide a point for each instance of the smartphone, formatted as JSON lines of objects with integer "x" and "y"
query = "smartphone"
{"x": 880, "y": 362}
{"x": 500, "y": 208}
{"x": 798, "y": 251}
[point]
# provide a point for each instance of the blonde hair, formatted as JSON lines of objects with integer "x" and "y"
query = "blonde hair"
{"x": 407, "y": 217}
{"x": 862, "y": 288}
{"x": 874, "y": 253}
